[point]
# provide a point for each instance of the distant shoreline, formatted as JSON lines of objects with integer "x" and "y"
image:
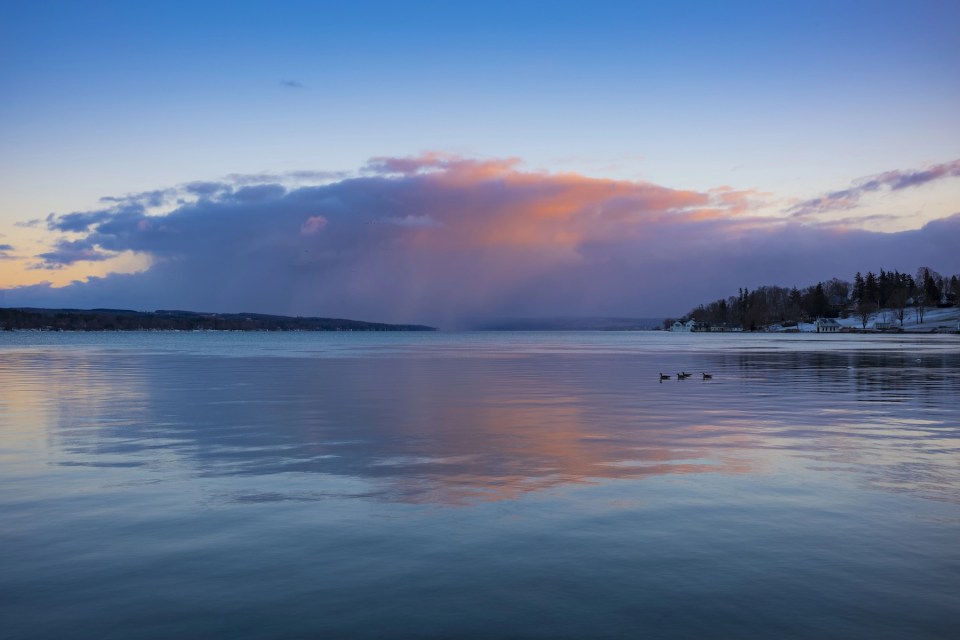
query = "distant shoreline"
{"x": 103, "y": 320}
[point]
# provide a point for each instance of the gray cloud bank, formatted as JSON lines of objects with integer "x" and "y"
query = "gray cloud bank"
{"x": 439, "y": 240}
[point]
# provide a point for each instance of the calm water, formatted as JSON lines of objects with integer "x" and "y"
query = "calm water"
{"x": 529, "y": 485}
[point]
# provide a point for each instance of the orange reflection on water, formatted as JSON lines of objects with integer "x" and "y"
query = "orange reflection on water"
{"x": 508, "y": 445}
{"x": 455, "y": 430}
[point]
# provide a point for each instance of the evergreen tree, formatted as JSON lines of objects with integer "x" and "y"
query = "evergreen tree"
{"x": 820, "y": 303}
{"x": 930, "y": 288}
{"x": 883, "y": 288}
{"x": 871, "y": 290}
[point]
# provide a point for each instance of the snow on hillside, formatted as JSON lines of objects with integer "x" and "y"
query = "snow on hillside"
{"x": 940, "y": 319}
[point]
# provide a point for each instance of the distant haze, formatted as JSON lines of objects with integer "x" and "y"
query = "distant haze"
{"x": 563, "y": 324}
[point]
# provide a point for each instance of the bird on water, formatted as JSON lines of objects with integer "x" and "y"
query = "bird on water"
{"x": 707, "y": 376}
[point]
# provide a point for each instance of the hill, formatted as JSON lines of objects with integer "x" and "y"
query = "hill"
{"x": 164, "y": 320}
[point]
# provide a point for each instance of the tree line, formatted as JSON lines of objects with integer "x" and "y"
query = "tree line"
{"x": 868, "y": 294}
{"x": 12, "y": 319}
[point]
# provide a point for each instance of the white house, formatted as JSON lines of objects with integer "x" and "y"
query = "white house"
{"x": 827, "y": 325}
{"x": 688, "y": 326}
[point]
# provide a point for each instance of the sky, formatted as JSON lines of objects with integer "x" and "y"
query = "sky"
{"x": 435, "y": 162}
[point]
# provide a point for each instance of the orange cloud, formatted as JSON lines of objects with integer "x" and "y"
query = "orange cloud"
{"x": 539, "y": 209}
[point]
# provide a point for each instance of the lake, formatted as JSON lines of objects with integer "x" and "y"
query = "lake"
{"x": 479, "y": 485}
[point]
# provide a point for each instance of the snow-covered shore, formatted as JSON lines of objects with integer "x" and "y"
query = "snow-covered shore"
{"x": 933, "y": 320}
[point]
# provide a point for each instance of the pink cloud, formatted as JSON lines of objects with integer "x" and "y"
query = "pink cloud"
{"x": 437, "y": 161}
{"x": 313, "y": 225}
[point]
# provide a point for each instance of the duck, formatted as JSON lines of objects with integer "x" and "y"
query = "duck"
{"x": 707, "y": 376}
{"x": 683, "y": 375}
{"x": 663, "y": 377}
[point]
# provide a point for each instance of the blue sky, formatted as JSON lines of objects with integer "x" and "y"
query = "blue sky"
{"x": 795, "y": 100}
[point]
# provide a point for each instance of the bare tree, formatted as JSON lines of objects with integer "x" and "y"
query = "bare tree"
{"x": 864, "y": 309}
{"x": 928, "y": 291}
{"x": 898, "y": 300}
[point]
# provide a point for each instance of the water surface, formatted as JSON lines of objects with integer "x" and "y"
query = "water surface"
{"x": 529, "y": 485}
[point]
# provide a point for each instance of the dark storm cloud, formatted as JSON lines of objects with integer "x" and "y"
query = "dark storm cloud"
{"x": 439, "y": 238}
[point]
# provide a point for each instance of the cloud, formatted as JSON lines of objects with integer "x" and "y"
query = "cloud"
{"x": 205, "y": 189}
{"x": 156, "y": 198}
{"x": 890, "y": 180}
{"x": 291, "y": 84}
{"x": 79, "y": 221}
{"x": 5, "y": 250}
{"x": 855, "y": 221}
{"x": 283, "y": 177}
{"x": 68, "y": 252}
{"x": 439, "y": 239}
{"x": 414, "y": 221}
{"x": 432, "y": 161}
{"x": 313, "y": 225}
{"x": 258, "y": 193}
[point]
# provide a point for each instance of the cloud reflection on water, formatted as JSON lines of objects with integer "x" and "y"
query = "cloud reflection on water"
{"x": 461, "y": 430}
